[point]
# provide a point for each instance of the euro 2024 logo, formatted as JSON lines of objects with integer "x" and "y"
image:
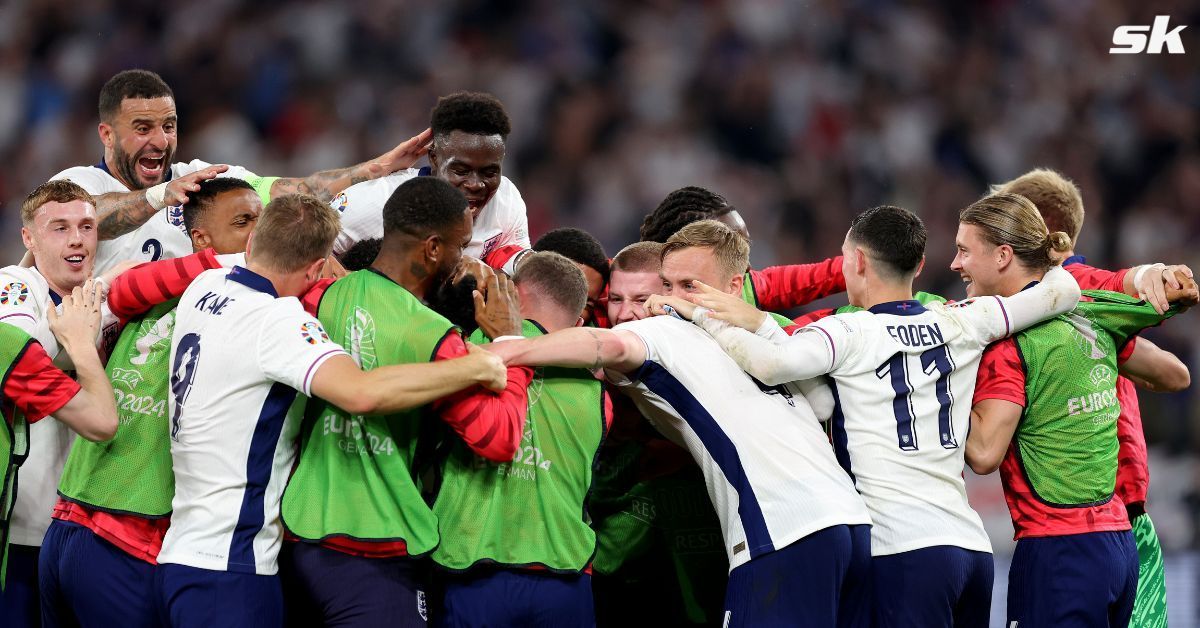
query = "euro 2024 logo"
{"x": 14, "y": 293}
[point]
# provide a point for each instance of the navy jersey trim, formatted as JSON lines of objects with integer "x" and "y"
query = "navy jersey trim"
{"x": 841, "y": 448}
{"x": 259, "y": 464}
{"x": 911, "y": 307}
{"x": 252, "y": 280}
{"x": 660, "y": 382}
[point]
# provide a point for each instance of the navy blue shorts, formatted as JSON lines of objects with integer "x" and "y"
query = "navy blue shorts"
{"x": 201, "y": 598}
{"x": 1075, "y": 580}
{"x": 824, "y": 579}
{"x": 510, "y": 597}
{"x": 932, "y": 587}
{"x": 324, "y": 587}
{"x": 87, "y": 581}
{"x": 19, "y": 604}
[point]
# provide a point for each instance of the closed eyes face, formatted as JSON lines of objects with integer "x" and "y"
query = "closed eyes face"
{"x": 229, "y": 221}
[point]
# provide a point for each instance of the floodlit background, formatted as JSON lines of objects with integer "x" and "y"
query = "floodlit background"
{"x": 801, "y": 113}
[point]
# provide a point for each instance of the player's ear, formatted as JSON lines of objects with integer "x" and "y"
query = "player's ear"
{"x": 200, "y": 240}
{"x": 1003, "y": 256}
{"x": 735, "y": 284}
{"x": 579, "y": 322}
{"x": 860, "y": 262}
{"x": 107, "y": 136}
{"x": 313, "y": 271}
{"x": 434, "y": 249}
{"x": 27, "y": 238}
{"x": 249, "y": 244}
{"x": 920, "y": 267}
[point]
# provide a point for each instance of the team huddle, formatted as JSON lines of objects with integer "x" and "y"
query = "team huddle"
{"x": 364, "y": 397}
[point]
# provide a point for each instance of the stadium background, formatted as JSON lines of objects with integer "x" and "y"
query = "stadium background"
{"x": 801, "y": 113}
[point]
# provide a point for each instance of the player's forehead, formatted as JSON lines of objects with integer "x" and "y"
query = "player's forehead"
{"x": 625, "y": 283}
{"x": 158, "y": 109}
{"x": 693, "y": 262}
{"x": 76, "y": 211}
{"x": 969, "y": 236}
{"x": 478, "y": 151}
{"x": 236, "y": 203}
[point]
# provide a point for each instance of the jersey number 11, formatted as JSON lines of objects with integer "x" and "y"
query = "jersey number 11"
{"x": 896, "y": 370}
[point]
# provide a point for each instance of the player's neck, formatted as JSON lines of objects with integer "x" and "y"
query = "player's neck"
{"x": 285, "y": 284}
{"x": 885, "y": 292}
{"x": 406, "y": 271}
{"x": 60, "y": 290}
{"x": 1014, "y": 282}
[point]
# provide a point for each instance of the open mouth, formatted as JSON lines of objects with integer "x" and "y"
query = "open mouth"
{"x": 151, "y": 167}
{"x": 75, "y": 261}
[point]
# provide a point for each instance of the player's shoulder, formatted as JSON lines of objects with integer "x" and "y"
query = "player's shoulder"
{"x": 91, "y": 178}
{"x": 508, "y": 199}
{"x": 375, "y": 191}
{"x": 21, "y": 286}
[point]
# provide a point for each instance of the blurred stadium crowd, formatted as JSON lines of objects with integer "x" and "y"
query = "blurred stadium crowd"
{"x": 801, "y": 113}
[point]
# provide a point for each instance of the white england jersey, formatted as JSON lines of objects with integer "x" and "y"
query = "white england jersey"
{"x": 501, "y": 222}
{"x": 163, "y": 235}
{"x": 25, "y": 300}
{"x": 238, "y": 357}
{"x": 771, "y": 475}
{"x": 903, "y": 379}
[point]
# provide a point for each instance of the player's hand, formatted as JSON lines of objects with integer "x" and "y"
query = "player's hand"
{"x": 658, "y": 304}
{"x": 727, "y": 307}
{"x": 1186, "y": 294}
{"x": 404, "y": 155}
{"x": 476, "y": 268}
{"x": 178, "y": 189}
{"x": 499, "y": 314}
{"x": 78, "y": 325}
{"x": 490, "y": 370}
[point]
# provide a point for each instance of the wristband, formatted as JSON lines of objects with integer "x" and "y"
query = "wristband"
{"x": 1137, "y": 277}
{"x": 155, "y": 196}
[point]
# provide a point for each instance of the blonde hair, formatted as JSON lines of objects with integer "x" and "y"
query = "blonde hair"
{"x": 61, "y": 191}
{"x": 1013, "y": 220}
{"x": 731, "y": 250}
{"x": 639, "y": 257}
{"x": 1056, "y": 197}
{"x": 293, "y": 231}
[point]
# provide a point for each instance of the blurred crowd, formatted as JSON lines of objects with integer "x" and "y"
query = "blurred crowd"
{"x": 802, "y": 113}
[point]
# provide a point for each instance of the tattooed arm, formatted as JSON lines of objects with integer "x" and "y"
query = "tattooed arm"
{"x": 587, "y": 347}
{"x": 328, "y": 183}
{"x": 118, "y": 213}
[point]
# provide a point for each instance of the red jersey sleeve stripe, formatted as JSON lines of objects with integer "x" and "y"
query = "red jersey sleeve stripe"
{"x": 37, "y": 387}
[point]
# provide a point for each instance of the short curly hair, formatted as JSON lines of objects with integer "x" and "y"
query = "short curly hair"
{"x": 477, "y": 113}
{"x": 576, "y": 245}
{"x": 680, "y": 209}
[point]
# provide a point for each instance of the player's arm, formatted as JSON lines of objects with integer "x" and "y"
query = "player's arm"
{"x": 582, "y": 347}
{"x": 92, "y": 412}
{"x": 328, "y": 183}
{"x": 997, "y": 406}
{"x": 1155, "y": 369}
{"x": 490, "y": 423}
{"x": 775, "y": 359}
{"x": 393, "y": 388}
{"x": 1057, "y": 293}
{"x": 119, "y": 213}
{"x": 140, "y": 288}
{"x": 784, "y": 287}
{"x": 993, "y": 423}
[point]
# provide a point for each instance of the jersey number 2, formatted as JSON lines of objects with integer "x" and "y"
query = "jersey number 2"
{"x": 896, "y": 369}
